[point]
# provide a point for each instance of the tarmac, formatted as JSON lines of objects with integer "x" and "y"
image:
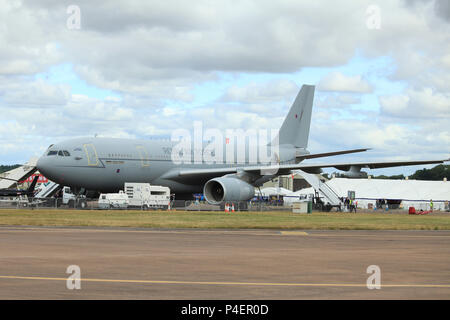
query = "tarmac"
{"x": 125, "y": 263}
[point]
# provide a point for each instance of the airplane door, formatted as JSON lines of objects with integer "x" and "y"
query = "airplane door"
{"x": 143, "y": 154}
{"x": 91, "y": 154}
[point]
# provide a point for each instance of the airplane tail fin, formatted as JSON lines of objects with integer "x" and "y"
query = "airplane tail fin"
{"x": 295, "y": 128}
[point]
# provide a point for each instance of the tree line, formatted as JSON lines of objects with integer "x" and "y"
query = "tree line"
{"x": 436, "y": 173}
{"x": 4, "y": 168}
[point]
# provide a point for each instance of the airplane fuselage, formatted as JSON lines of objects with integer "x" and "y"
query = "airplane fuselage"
{"x": 105, "y": 164}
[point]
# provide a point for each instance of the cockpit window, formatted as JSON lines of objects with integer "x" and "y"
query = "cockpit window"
{"x": 61, "y": 153}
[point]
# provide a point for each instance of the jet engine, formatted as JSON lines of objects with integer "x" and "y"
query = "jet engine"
{"x": 222, "y": 189}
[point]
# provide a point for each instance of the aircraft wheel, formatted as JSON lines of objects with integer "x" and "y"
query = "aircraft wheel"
{"x": 82, "y": 204}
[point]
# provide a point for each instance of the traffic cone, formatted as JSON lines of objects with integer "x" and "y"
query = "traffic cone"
{"x": 232, "y": 207}
{"x": 227, "y": 208}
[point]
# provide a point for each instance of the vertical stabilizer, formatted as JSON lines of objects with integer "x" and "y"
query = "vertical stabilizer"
{"x": 295, "y": 128}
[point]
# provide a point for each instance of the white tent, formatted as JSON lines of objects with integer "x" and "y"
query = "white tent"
{"x": 413, "y": 193}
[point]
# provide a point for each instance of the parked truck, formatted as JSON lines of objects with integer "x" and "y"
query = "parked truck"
{"x": 146, "y": 196}
{"x": 113, "y": 200}
{"x": 72, "y": 200}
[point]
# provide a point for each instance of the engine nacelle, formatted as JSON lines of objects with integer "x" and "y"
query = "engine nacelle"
{"x": 355, "y": 172}
{"x": 222, "y": 189}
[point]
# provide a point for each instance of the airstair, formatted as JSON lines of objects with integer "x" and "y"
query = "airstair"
{"x": 321, "y": 187}
{"x": 10, "y": 178}
{"x": 48, "y": 189}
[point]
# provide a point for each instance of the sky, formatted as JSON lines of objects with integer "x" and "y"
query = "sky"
{"x": 142, "y": 69}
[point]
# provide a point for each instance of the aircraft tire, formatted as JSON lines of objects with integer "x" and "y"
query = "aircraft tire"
{"x": 82, "y": 204}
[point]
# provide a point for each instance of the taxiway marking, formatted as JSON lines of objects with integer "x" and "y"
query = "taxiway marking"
{"x": 268, "y": 232}
{"x": 231, "y": 283}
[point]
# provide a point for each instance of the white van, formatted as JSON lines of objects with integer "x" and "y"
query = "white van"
{"x": 146, "y": 196}
{"x": 113, "y": 200}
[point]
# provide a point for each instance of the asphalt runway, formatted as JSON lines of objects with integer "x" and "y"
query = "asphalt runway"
{"x": 125, "y": 263}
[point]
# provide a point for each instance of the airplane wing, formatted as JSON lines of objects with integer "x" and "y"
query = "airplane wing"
{"x": 328, "y": 154}
{"x": 372, "y": 165}
{"x": 283, "y": 169}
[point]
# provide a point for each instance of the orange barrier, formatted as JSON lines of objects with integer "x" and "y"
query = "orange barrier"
{"x": 412, "y": 210}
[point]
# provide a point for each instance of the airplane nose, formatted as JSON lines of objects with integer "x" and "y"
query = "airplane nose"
{"x": 42, "y": 165}
{"x": 49, "y": 166}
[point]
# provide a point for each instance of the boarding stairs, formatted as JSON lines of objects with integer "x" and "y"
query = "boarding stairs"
{"x": 47, "y": 190}
{"x": 321, "y": 187}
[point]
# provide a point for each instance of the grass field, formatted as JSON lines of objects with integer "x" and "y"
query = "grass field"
{"x": 238, "y": 220}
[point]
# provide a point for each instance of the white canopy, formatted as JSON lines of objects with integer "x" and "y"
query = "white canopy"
{"x": 417, "y": 193}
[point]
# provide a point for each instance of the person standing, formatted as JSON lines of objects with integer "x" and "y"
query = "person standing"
{"x": 431, "y": 205}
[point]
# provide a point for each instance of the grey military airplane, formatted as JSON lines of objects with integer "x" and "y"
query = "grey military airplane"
{"x": 105, "y": 164}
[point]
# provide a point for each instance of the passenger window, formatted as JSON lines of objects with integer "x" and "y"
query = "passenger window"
{"x": 66, "y": 153}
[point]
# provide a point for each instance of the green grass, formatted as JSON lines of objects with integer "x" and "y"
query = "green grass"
{"x": 238, "y": 220}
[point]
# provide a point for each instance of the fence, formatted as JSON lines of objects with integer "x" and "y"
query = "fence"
{"x": 187, "y": 205}
{"x": 92, "y": 204}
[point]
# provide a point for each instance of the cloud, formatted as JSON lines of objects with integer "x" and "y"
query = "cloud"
{"x": 26, "y": 45}
{"x": 442, "y": 8}
{"x": 194, "y": 39}
{"x": 153, "y": 56}
{"x": 336, "y": 81}
{"x": 190, "y": 42}
{"x": 24, "y": 92}
{"x": 424, "y": 103}
{"x": 271, "y": 91}
{"x": 389, "y": 141}
{"x": 339, "y": 101}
